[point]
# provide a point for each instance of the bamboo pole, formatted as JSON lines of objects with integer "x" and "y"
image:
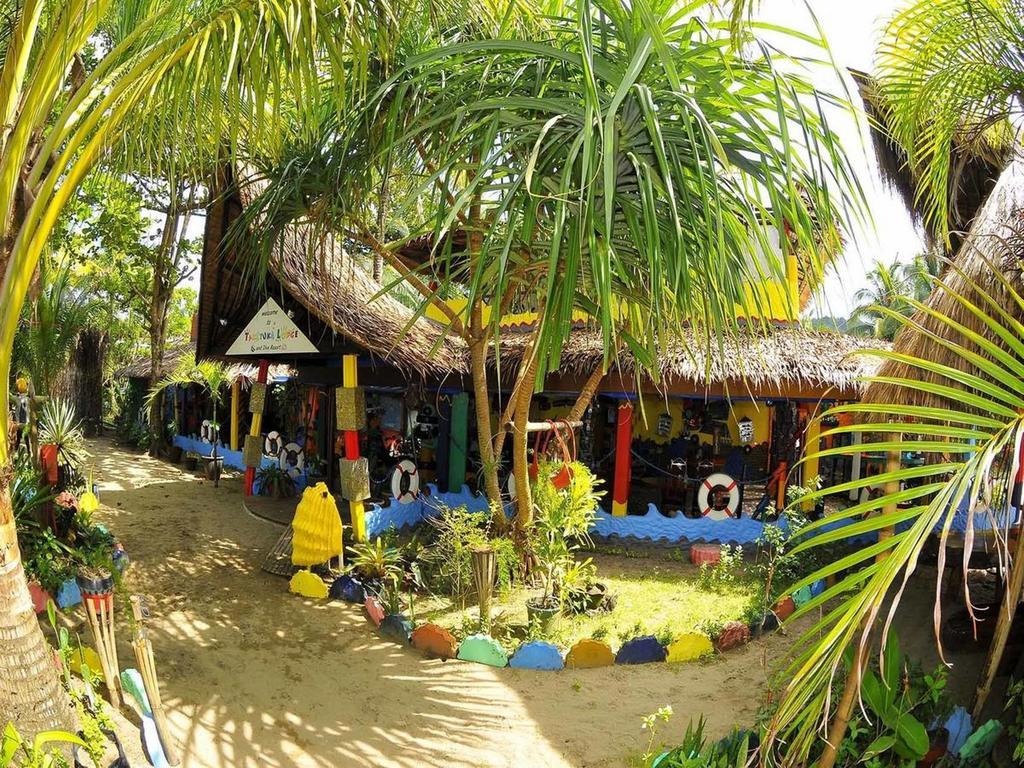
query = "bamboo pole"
{"x": 100, "y": 610}
{"x": 147, "y": 666}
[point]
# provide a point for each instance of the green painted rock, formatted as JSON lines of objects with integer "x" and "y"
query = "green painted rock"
{"x": 690, "y": 647}
{"x": 588, "y": 653}
{"x": 802, "y": 596}
{"x": 483, "y": 650}
{"x": 436, "y": 642}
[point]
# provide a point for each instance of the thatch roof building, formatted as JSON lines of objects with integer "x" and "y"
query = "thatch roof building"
{"x": 993, "y": 248}
{"x": 141, "y": 367}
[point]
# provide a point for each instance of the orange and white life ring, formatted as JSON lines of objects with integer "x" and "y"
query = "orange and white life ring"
{"x": 719, "y": 497}
{"x": 405, "y": 482}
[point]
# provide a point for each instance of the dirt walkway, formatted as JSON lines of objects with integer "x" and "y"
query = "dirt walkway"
{"x": 254, "y": 676}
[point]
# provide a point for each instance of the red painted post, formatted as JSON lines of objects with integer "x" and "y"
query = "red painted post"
{"x": 623, "y": 458}
{"x": 257, "y": 425}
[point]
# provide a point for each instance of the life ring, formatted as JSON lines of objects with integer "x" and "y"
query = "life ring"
{"x": 511, "y": 486}
{"x": 204, "y": 431}
{"x": 713, "y": 491}
{"x": 292, "y": 459}
{"x": 272, "y": 445}
{"x": 405, "y": 482}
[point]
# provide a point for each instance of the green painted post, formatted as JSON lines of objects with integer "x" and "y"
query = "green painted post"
{"x": 458, "y": 442}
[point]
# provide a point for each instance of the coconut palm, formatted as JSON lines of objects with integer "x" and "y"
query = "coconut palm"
{"x": 951, "y": 75}
{"x": 193, "y": 73}
{"x": 630, "y": 163}
{"x": 968, "y": 420}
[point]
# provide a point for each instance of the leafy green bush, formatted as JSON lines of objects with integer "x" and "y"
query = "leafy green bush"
{"x": 275, "y": 482}
{"x": 726, "y": 572}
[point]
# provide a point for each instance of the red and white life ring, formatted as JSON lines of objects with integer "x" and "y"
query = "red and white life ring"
{"x": 405, "y": 482}
{"x": 716, "y": 488}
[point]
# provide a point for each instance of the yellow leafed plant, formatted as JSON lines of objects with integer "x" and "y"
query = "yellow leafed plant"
{"x": 316, "y": 527}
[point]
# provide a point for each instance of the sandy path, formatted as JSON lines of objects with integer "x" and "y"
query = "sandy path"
{"x": 256, "y": 677}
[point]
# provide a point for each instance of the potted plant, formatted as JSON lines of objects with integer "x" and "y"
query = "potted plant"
{"x": 274, "y": 482}
{"x": 564, "y": 513}
{"x": 60, "y": 433}
{"x": 376, "y": 564}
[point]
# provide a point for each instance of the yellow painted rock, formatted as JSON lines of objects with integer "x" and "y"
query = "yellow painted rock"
{"x": 316, "y": 528}
{"x": 308, "y": 584}
{"x": 84, "y": 656}
{"x": 690, "y": 647}
{"x": 588, "y": 653}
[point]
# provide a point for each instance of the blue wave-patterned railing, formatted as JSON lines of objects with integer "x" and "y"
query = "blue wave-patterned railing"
{"x": 231, "y": 458}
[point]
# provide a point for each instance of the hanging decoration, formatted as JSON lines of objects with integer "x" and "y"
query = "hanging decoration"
{"x": 405, "y": 482}
{"x": 746, "y": 430}
{"x": 272, "y": 444}
{"x": 664, "y": 427}
{"x": 292, "y": 459}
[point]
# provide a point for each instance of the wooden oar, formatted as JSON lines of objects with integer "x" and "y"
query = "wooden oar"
{"x": 147, "y": 667}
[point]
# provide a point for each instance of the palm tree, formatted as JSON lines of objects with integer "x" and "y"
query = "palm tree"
{"x": 169, "y": 63}
{"x": 951, "y": 74}
{"x": 629, "y": 163}
{"x": 889, "y": 286}
{"x": 962, "y": 405}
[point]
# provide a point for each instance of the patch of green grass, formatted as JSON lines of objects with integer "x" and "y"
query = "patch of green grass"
{"x": 653, "y": 596}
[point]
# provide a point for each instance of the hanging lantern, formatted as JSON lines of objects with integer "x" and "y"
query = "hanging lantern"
{"x": 746, "y": 430}
{"x": 665, "y": 424}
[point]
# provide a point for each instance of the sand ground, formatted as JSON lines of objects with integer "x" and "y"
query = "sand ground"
{"x": 253, "y": 676}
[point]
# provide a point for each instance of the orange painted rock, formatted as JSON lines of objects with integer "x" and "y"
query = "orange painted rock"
{"x": 784, "y": 608}
{"x": 588, "y": 653}
{"x": 733, "y": 635}
{"x": 436, "y": 642}
{"x": 374, "y": 610}
{"x": 706, "y": 553}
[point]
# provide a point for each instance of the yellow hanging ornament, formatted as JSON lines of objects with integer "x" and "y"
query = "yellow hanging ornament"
{"x": 316, "y": 528}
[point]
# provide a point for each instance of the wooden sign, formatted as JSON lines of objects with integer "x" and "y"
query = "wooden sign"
{"x": 271, "y": 332}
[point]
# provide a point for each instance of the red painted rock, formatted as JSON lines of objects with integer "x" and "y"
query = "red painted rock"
{"x": 733, "y": 635}
{"x": 374, "y": 610}
{"x": 436, "y": 642}
{"x": 588, "y": 653}
{"x": 784, "y": 608}
{"x": 706, "y": 553}
{"x": 40, "y": 597}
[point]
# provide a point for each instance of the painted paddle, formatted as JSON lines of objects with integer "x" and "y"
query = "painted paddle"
{"x": 132, "y": 685}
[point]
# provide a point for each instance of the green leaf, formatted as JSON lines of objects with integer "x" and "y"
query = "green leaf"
{"x": 878, "y": 746}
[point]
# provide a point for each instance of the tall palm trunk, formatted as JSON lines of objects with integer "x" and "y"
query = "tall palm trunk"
{"x": 30, "y": 691}
{"x": 520, "y": 440}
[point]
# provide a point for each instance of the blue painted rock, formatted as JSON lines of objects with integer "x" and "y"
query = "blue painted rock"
{"x": 784, "y": 608}
{"x": 68, "y": 595}
{"x": 537, "y": 655}
{"x": 348, "y": 588}
{"x": 802, "y": 597}
{"x": 588, "y": 654}
{"x": 641, "y": 650}
{"x": 768, "y": 623}
{"x": 434, "y": 641}
{"x": 733, "y": 635}
{"x": 374, "y": 610}
{"x": 397, "y": 627}
{"x": 818, "y": 587}
{"x": 483, "y": 650}
{"x": 690, "y": 646}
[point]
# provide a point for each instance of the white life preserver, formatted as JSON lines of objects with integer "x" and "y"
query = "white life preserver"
{"x": 710, "y": 492}
{"x": 405, "y": 482}
{"x": 511, "y": 486}
{"x": 272, "y": 445}
{"x": 204, "y": 431}
{"x": 292, "y": 459}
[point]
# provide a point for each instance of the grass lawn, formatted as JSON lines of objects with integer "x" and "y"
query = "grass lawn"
{"x": 654, "y": 595}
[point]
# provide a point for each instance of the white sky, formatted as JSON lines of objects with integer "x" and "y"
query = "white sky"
{"x": 852, "y": 30}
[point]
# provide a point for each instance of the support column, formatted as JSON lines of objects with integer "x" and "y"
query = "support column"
{"x": 855, "y": 466}
{"x": 236, "y": 404}
{"x": 459, "y": 434}
{"x": 812, "y": 464}
{"x": 350, "y": 380}
{"x": 623, "y": 458}
{"x": 257, "y": 426}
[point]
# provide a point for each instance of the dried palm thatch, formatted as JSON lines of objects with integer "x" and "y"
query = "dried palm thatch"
{"x": 783, "y": 357}
{"x": 977, "y": 163}
{"x": 991, "y": 254}
{"x": 323, "y": 276}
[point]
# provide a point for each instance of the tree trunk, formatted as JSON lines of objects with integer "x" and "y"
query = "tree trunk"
{"x": 87, "y": 379}
{"x": 382, "y": 202}
{"x": 520, "y": 439}
{"x": 482, "y": 404}
{"x": 30, "y": 690}
{"x": 586, "y": 395}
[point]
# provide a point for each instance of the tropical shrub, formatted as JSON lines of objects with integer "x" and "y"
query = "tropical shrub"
{"x": 375, "y": 561}
{"x": 60, "y": 426}
{"x": 275, "y": 482}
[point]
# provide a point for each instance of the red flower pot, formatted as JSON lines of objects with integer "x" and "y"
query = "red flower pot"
{"x": 48, "y": 460}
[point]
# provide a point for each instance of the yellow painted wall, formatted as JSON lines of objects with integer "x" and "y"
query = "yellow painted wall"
{"x": 645, "y": 420}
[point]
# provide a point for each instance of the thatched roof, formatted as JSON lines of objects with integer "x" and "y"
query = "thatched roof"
{"x": 976, "y": 164}
{"x": 777, "y": 358}
{"x": 996, "y": 240}
{"x": 140, "y": 367}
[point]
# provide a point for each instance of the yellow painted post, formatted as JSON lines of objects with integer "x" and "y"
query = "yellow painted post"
{"x": 236, "y": 396}
{"x": 350, "y": 380}
{"x": 812, "y": 463}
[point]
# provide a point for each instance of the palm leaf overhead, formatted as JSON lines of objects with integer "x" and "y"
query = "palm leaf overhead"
{"x": 951, "y": 75}
{"x": 971, "y": 436}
